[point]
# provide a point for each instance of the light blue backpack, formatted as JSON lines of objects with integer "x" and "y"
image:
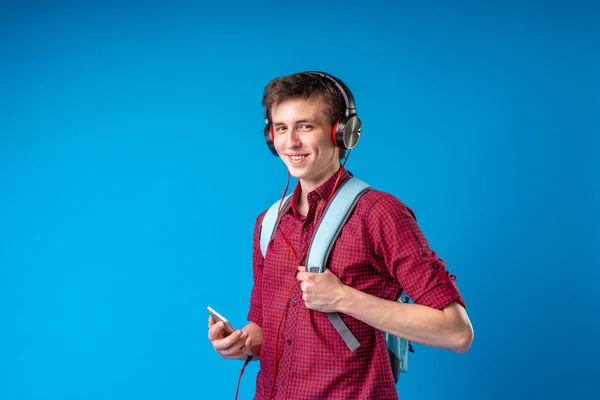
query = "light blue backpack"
{"x": 328, "y": 229}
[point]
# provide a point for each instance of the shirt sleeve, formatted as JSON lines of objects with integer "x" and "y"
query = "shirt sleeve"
{"x": 255, "y": 312}
{"x": 398, "y": 243}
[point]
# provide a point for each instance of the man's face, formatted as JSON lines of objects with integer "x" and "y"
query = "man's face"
{"x": 302, "y": 137}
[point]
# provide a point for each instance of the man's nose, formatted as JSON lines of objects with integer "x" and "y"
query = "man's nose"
{"x": 293, "y": 138}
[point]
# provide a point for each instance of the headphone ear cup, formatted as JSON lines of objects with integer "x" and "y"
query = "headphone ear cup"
{"x": 268, "y": 132}
{"x": 346, "y": 132}
{"x": 351, "y": 133}
{"x": 334, "y": 134}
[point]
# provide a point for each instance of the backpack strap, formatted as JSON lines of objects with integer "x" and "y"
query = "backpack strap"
{"x": 335, "y": 215}
{"x": 398, "y": 348}
{"x": 269, "y": 223}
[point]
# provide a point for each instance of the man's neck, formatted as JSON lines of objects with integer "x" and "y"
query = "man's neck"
{"x": 308, "y": 186}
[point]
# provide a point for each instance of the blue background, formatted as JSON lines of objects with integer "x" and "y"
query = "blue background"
{"x": 132, "y": 168}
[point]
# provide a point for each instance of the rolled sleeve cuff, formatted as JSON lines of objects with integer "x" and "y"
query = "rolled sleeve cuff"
{"x": 443, "y": 292}
{"x": 255, "y": 316}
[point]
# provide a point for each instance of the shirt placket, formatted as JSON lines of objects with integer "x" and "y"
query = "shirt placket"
{"x": 294, "y": 311}
{"x": 289, "y": 338}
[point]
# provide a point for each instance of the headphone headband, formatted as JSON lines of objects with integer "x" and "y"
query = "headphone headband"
{"x": 344, "y": 90}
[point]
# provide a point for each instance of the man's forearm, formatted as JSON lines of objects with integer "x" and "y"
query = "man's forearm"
{"x": 449, "y": 328}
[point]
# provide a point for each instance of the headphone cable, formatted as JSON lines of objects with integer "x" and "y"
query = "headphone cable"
{"x": 248, "y": 359}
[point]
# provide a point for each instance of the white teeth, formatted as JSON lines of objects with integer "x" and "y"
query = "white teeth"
{"x": 297, "y": 158}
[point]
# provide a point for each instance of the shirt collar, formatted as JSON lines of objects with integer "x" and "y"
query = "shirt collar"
{"x": 323, "y": 191}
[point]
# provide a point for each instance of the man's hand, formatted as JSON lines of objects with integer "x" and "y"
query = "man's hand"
{"x": 236, "y": 345}
{"x": 321, "y": 291}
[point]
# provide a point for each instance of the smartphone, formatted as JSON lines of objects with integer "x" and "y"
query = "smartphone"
{"x": 218, "y": 317}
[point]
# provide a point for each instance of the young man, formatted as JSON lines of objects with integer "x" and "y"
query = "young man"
{"x": 380, "y": 252}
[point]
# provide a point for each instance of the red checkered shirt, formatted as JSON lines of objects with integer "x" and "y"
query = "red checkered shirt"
{"x": 380, "y": 251}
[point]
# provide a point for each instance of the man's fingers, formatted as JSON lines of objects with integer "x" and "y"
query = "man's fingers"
{"x": 215, "y": 330}
{"x": 211, "y": 321}
{"x": 228, "y": 345}
{"x": 304, "y": 287}
{"x": 230, "y": 341}
{"x": 231, "y": 345}
{"x": 247, "y": 344}
{"x": 304, "y": 276}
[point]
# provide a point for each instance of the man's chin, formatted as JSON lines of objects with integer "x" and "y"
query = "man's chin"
{"x": 295, "y": 173}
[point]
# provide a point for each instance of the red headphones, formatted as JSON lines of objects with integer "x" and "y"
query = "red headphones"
{"x": 345, "y": 132}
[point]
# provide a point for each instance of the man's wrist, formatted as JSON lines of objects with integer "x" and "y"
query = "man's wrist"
{"x": 346, "y": 299}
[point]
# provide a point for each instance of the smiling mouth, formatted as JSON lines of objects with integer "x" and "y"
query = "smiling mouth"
{"x": 298, "y": 158}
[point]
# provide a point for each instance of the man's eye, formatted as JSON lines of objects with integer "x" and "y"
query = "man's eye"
{"x": 280, "y": 129}
{"x": 306, "y": 127}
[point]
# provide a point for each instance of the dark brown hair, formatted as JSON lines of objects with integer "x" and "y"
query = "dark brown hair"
{"x": 305, "y": 85}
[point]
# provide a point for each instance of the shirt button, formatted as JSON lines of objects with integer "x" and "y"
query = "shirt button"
{"x": 289, "y": 341}
{"x": 294, "y": 302}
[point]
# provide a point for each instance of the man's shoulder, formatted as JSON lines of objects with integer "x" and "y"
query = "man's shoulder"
{"x": 379, "y": 202}
{"x": 380, "y": 199}
{"x": 274, "y": 206}
{"x": 260, "y": 217}
{"x": 373, "y": 196}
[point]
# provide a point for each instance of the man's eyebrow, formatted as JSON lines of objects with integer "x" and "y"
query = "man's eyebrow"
{"x": 300, "y": 121}
{"x": 311, "y": 120}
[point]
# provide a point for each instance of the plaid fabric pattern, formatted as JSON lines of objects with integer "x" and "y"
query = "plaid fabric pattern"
{"x": 380, "y": 251}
